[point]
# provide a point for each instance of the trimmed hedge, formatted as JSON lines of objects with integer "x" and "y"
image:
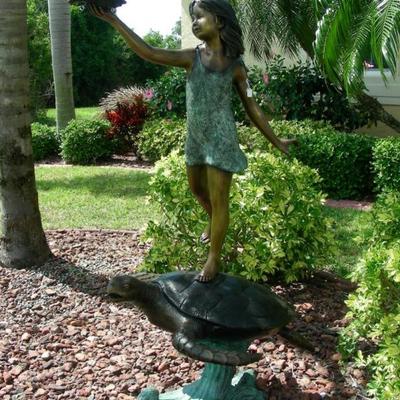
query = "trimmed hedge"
{"x": 342, "y": 160}
{"x": 44, "y": 141}
{"x": 386, "y": 164}
{"x": 85, "y": 142}
{"x": 348, "y": 164}
{"x": 277, "y": 226}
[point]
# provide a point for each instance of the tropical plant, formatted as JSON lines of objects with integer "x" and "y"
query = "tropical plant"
{"x": 126, "y": 110}
{"x": 339, "y": 34}
{"x": 22, "y": 240}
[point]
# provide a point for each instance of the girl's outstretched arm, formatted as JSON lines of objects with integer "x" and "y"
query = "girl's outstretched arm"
{"x": 255, "y": 113}
{"x": 177, "y": 58}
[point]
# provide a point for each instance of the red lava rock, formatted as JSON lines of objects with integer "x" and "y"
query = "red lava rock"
{"x": 7, "y": 377}
{"x": 336, "y": 357}
{"x": 61, "y": 308}
{"x": 269, "y": 346}
{"x": 310, "y": 373}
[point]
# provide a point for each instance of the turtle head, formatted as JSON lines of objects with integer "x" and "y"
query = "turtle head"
{"x": 124, "y": 288}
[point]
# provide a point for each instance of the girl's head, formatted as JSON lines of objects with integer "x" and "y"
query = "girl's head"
{"x": 229, "y": 29}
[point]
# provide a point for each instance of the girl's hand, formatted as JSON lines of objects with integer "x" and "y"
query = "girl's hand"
{"x": 98, "y": 12}
{"x": 286, "y": 143}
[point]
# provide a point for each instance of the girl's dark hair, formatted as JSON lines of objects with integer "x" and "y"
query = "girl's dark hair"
{"x": 231, "y": 34}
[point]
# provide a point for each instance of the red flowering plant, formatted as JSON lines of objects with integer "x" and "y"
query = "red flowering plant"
{"x": 126, "y": 110}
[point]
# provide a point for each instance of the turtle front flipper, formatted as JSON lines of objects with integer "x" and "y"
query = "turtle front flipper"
{"x": 215, "y": 353}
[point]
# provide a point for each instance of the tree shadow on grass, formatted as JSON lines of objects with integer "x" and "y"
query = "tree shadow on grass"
{"x": 127, "y": 184}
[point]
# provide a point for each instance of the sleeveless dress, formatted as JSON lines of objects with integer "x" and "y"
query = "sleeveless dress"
{"x": 212, "y": 136}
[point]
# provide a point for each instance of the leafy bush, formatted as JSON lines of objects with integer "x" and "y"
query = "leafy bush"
{"x": 300, "y": 92}
{"x": 126, "y": 110}
{"x": 276, "y": 225}
{"x": 374, "y": 309}
{"x": 386, "y": 163}
{"x": 169, "y": 91}
{"x": 84, "y": 142}
{"x": 386, "y": 218}
{"x": 44, "y": 141}
{"x": 343, "y": 160}
{"x": 160, "y": 136}
{"x": 375, "y": 318}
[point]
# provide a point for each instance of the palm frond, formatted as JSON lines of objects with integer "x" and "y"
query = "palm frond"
{"x": 385, "y": 43}
{"x": 358, "y": 51}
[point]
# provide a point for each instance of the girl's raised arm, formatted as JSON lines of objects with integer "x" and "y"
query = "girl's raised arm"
{"x": 255, "y": 113}
{"x": 177, "y": 58}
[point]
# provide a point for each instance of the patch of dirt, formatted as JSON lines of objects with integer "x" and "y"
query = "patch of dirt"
{"x": 62, "y": 338}
{"x": 356, "y": 205}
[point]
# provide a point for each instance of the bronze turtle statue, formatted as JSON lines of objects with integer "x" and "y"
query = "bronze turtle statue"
{"x": 227, "y": 308}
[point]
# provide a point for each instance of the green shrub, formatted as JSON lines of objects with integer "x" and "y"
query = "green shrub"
{"x": 386, "y": 163}
{"x": 343, "y": 160}
{"x": 169, "y": 94}
{"x": 160, "y": 136}
{"x": 374, "y": 311}
{"x": 276, "y": 225}
{"x": 386, "y": 217}
{"x": 300, "y": 92}
{"x": 44, "y": 141}
{"x": 84, "y": 142}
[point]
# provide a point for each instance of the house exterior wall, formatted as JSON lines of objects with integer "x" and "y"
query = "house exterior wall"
{"x": 388, "y": 95}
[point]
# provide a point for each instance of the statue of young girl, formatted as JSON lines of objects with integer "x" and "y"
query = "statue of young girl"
{"x": 212, "y": 150}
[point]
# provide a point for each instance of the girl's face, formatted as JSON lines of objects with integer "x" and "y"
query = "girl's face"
{"x": 204, "y": 24}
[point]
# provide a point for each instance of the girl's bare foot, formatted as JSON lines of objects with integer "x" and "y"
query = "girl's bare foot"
{"x": 210, "y": 270}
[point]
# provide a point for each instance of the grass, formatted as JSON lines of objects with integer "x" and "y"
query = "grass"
{"x": 93, "y": 197}
{"x": 81, "y": 113}
{"x": 116, "y": 198}
{"x": 348, "y": 225}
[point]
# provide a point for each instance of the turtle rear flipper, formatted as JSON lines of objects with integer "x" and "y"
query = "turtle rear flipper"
{"x": 194, "y": 348}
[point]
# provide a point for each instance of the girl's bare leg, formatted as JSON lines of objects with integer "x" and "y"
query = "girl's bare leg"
{"x": 219, "y": 183}
{"x": 198, "y": 183}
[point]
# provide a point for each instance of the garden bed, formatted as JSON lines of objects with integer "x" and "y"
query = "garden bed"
{"x": 61, "y": 338}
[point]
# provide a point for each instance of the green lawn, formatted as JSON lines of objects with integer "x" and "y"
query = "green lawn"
{"x": 116, "y": 198}
{"x": 93, "y": 197}
{"x": 349, "y": 225}
{"x": 81, "y": 113}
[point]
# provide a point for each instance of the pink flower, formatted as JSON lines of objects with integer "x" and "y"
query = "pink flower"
{"x": 266, "y": 79}
{"x": 148, "y": 94}
{"x": 169, "y": 105}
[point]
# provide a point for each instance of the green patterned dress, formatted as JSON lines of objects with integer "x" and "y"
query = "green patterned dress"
{"x": 212, "y": 136}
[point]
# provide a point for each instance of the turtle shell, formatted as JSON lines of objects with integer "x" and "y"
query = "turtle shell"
{"x": 227, "y": 301}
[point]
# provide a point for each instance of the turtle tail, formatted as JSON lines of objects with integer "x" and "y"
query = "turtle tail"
{"x": 200, "y": 351}
{"x": 296, "y": 339}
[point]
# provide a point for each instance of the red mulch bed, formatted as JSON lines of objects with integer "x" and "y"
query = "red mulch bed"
{"x": 61, "y": 338}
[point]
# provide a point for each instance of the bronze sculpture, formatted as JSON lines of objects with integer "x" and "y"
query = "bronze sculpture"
{"x": 212, "y": 322}
{"x": 212, "y": 150}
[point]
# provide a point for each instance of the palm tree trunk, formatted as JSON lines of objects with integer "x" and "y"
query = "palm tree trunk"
{"x": 22, "y": 240}
{"x": 60, "y": 33}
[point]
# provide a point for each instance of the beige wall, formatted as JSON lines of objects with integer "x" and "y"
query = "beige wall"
{"x": 388, "y": 95}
